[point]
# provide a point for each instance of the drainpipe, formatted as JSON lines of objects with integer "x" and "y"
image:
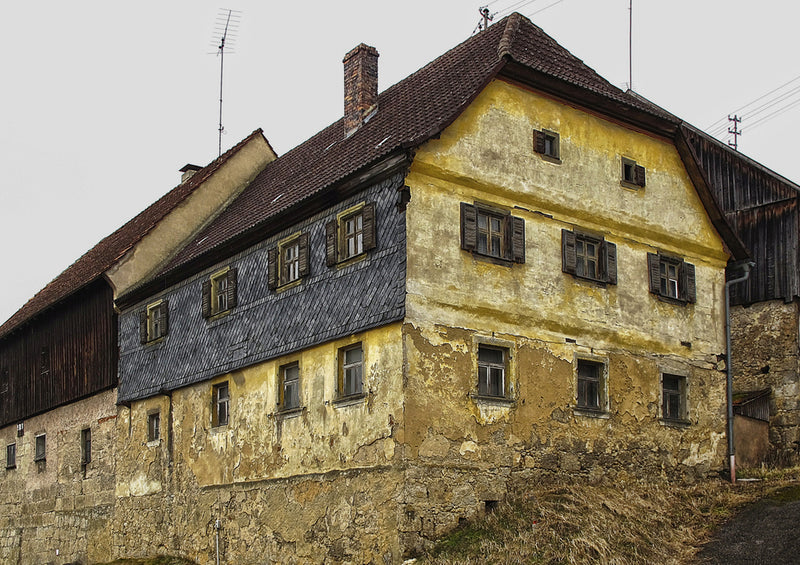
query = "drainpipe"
{"x": 729, "y": 370}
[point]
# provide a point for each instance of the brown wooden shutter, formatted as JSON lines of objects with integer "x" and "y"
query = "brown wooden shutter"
{"x": 232, "y": 290}
{"x": 638, "y": 175}
{"x": 331, "y": 254}
{"x": 370, "y": 240}
{"x": 610, "y": 252}
{"x": 302, "y": 246}
{"x": 569, "y": 259}
{"x": 143, "y": 326}
{"x": 517, "y": 239}
{"x": 272, "y": 268}
{"x": 206, "y": 299}
{"x": 469, "y": 227}
{"x": 688, "y": 290}
{"x": 654, "y": 268}
{"x": 538, "y": 141}
{"x": 164, "y": 307}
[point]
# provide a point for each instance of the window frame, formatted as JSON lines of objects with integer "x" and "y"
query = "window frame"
{"x": 540, "y": 144}
{"x": 681, "y": 394}
{"x": 485, "y": 391}
{"x": 600, "y": 366}
{"x": 154, "y": 321}
{"x": 215, "y": 298}
{"x": 220, "y": 417}
{"x": 342, "y": 390}
{"x": 282, "y": 385}
{"x": 632, "y": 174}
{"x": 153, "y": 426}
{"x": 86, "y": 446}
{"x": 11, "y": 456}
{"x": 686, "y": 281}
{"x": 278, "y": 269}
{"x": 40, "y": 454}
{"x": 605, "y": 260}
{"x": 512, "y": 233}
{"x": 336, "y": 237}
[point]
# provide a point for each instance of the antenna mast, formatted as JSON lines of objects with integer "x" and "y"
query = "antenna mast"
{"x": 735, "y": 131}
{"x": 630, "y": 45}
{"x": 225, "y": 35}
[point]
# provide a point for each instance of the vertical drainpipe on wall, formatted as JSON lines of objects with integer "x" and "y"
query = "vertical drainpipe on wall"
{"x": 728, "y": 369}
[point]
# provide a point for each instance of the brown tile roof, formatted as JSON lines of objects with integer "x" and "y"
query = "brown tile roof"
{"x": 409, "y": 113}
{"x": 102, "y": 256}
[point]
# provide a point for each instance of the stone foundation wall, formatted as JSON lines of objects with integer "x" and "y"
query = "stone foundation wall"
{"x": 57, "y": 510}
{"x": 764, "y": 340}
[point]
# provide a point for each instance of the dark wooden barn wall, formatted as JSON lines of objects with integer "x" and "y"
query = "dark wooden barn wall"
{"x": 763, "y": 210}
{"x": 80, "y": 339}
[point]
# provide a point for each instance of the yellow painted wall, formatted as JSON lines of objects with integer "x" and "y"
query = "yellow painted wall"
{"x": 548, "y": 318}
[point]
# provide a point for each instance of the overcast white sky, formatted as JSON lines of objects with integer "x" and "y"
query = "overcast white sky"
{"x": 102, "y": 102}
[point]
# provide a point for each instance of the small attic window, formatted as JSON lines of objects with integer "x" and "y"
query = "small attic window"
{"x": 546, "y": 144}
{"x": 633, "y": 175}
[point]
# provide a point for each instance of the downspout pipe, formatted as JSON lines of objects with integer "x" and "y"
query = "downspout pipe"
{"x": 729, "y": 376}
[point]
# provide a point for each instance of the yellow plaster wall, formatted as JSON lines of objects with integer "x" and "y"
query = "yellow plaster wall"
{"x": 204, "y": 204}
{"x": 548, "y": 318}
{"x": 259, "y": 443}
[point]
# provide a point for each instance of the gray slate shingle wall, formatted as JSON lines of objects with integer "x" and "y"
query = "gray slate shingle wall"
{"x": 329, "y": 303}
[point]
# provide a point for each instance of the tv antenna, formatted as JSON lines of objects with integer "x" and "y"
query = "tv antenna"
{"x": 225, "y": 29}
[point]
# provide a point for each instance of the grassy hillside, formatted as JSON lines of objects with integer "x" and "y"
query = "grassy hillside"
{"x": 623, "y": 524}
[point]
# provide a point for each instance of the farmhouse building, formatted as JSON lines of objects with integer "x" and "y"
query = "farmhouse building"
{"x": 502, "y": 269}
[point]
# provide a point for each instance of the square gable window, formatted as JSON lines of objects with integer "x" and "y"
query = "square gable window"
{"x": 588, "y": 257}
{"x": 492, "y": 233}
{"x": 633, "y": 175}
{"x": 672, "y": 278}
{"x": 546, "y": 144}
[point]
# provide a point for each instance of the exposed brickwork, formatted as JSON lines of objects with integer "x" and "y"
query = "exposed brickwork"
{"x": 360, "y": 86}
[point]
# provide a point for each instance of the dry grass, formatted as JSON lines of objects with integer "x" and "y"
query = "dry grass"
{"x": 603, "y": 524}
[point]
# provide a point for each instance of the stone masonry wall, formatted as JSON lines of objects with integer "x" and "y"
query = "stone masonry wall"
{"x": 764, "y": 340}
{"x": 55, "y": 511}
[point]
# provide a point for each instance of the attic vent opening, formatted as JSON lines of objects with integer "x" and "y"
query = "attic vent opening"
{"x": 360, "y": 87}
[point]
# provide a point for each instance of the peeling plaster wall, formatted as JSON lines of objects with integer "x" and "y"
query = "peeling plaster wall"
{"x": 51, "y": 511}
{"x": 764, "y": 338}
{"x": 319, "y": 485}
{"x": 463, "y": 450}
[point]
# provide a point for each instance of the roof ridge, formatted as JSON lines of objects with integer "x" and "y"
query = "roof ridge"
{"x": 509, "y": 34}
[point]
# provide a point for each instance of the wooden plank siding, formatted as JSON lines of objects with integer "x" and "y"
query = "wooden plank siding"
{"x": 762, "y": 208}
{"x": 79, "y": 336}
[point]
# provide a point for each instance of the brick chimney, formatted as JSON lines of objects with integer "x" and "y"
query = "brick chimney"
{"x": 360, "y": 87}
{"x": 188, "y": 171}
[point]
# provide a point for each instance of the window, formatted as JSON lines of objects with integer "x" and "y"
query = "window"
{"x": 220, "y": 408}
{"x": 220, "y": 292}
{"x": 21, "y": 429}
{"x": 673, "y": 405}
{"x": 289, "y": 386}
{"x": 40, "y": 447}
{"x": 588, "y": 257}
{"x": 86, "y": 446}
{"x": 492, "y": 233}
{"x": 351, "y": 369}
{"x": 351, "y": 234}
{"x": 591, "y": 385}
{"x": 288, "y": 261}
{"x": 492, "y": 371}
{"x": 671, "y": 278}
{"x": 153, "y": 426}
{"x": 11, "y": 456}
{"x": 154, "y": 321}
{"x": 546, "y": 143}
{"x": 633, "y": 175}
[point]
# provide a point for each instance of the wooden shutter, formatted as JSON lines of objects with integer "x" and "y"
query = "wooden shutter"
{"x": 206, "y": 299}
{"x": 302, "y": 246}
{"x": 638, "y": 175}
{"x": 688, "y": 290}
{"x": 272, "y": 268}
{"x": 517, "y": 239}
{"x": 164, "y": 307}
{"x": 569, "y": 259}
{"x": 232, "y": 290}
{"x": 654, "y": 268}
{"x": 369, "y": 233}
{"x": 469, "y": 227}
{"x": 143, "y": 326}
{"x": 610, "y": 262}
{"x": 330, "y": 243}
{"x": 538, "y": 141}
